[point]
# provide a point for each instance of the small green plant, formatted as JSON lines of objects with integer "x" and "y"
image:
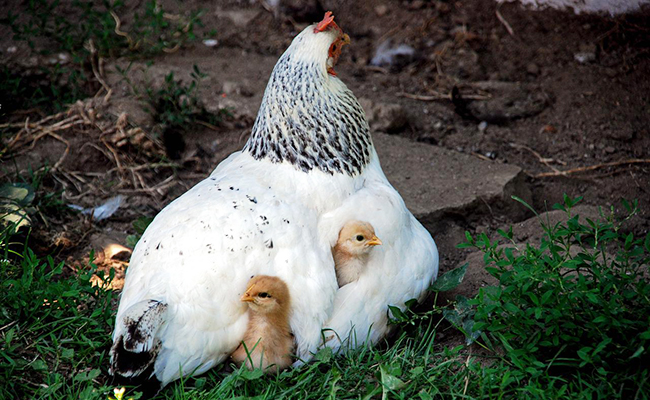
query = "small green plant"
{"x": 71, "y": 26}
{"x": 576, "y": 308}
{"x": 55, "y": 328}
{"x": 83, "y": 30}
{"x": 176, "y": 105}
{"x": 16, "y": 205}
{"x": 176, "y": 108}
{"x": 139, "y": 225}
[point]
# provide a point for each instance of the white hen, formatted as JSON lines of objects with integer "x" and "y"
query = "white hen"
{"x": 275, "y": 208}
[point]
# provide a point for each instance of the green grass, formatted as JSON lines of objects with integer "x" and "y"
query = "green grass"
{"x": 55, "y": 330}
{"x": 85, "y": 30}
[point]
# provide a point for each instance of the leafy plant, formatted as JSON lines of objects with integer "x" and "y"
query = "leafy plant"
{"x": 83, "y": 30}
{"x": 15, "y": 205}
{"x": 152, "y": 31}
{"x": 577, "y": 304}
{"x": 55, "y": 328}
{"x": 176, "y": 108}
{"x": 139, "y": 225}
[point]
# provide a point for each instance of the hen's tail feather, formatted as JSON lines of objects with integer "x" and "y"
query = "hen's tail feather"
{"x": 135, "y": 349}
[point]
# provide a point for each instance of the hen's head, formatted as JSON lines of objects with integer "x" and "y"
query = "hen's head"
{"x": 320, "y": 44}
{"x": 308, "y": 117}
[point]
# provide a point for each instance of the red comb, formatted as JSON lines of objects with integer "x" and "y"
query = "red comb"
{"x": 325, "y": 23}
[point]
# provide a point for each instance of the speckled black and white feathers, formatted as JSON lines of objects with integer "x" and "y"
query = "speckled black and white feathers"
{"x": 310, "y": 118}
{"x": 136, "y": 349}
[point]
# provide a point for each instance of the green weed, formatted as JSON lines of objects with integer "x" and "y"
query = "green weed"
{"x": 176, "y": 108}
{"x": 85, "y": 30}
{"x": 55, "y": 328}
{"x": 572, "y": 313}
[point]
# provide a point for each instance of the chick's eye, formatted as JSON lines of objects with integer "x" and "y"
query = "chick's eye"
{"x": 360, "y": 238}
{"x": 263, "y": 295}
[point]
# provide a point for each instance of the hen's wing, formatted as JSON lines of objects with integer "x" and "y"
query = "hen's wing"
{"x": 196, "y": 258}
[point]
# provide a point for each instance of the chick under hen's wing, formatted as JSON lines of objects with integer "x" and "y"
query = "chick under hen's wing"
{"x": 399, "y": 270}
{"x": 200, "y": 251}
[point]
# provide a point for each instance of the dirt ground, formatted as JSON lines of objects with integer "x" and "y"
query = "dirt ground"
{"x": 561, "y": 92}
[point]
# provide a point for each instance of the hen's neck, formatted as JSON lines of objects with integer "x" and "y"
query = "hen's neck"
{"x": 310, "y": 120}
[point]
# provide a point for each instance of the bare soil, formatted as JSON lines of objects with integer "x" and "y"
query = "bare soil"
{"x": 546, "y": 111}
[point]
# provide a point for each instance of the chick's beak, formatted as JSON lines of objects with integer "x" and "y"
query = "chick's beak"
{"x": 375, "y": 241}
{"x": 247, "y": 298}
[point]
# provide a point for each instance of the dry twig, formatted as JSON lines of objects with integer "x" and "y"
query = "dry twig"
{"x": 505, "y": 23}
{"x": 593, "y": 167}
{"x": 544, "y": 160}
{"x": 440, "y": 96}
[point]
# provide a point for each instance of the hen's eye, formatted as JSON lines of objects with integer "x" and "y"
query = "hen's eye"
{"x": 360, "y": 238}
{"x": 263, "y": 295}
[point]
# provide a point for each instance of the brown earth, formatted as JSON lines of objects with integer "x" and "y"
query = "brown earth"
{"x": 546, "y": 111}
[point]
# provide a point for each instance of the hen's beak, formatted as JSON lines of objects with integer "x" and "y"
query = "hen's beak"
{"x": 345, "y": 39}
{"x": 375, "y": 241}
{"x": 247, "y": 298}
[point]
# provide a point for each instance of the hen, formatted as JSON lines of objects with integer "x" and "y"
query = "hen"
{"x": 274, "y": 208}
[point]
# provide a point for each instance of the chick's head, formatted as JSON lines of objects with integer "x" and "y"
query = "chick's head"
{"x": 267, "y": 294}
{"x": 358, "y": 237}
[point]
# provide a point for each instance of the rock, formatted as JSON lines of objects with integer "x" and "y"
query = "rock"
{"x": 584, "y": 58}
{"x": 381, "y": 10}
{"x": 475, "y": 278}
{"x": 384, "y": 117}
{"x": 434, "y": 181}
{"x": 240, "y": 18}
{"x": 395, "y": 57}
{"x": 136, "y": 112}
{"x": 528, "y": 231}
{"x": 587, "y": 53}
{"x": 236, "y": 87}
{"x": 532, "y": 69}
{"x": 509, "y": 101}
{"x": 210, "y": 42}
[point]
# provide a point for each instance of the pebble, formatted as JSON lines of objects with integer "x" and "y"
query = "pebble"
{"x": 610, "y": 149}
{"x": 532, "y": 69}
{"x": 482, "y": 126}
{"x": 381, "y": 10}
{"x": 584, "y": 58}
{"x": 210, "y": 42}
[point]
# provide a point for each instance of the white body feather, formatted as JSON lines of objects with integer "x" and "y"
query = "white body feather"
{"x": 259, "y": 216}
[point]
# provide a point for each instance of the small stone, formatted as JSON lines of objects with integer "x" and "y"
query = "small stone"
{"x": 12, "y": 49}
{"x": 416, "y": 5}
{"x": 230, "y": 87}
{"x": 610, "y": 149}
{"x": 385, "y": 117}
{"x": 381, "y": 10}
{"x": 532, "y": 69}
{"x": 63, "y": 58}
{"x": 586, "y": 54}
{"x": 482, "y": 126}
{"x": 210, "y": 42}
{"x": 584, "y": 58}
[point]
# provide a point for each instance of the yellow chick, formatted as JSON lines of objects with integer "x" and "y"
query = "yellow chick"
{"x": 356, "y": 240}
{"x": 268, "y": 337}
